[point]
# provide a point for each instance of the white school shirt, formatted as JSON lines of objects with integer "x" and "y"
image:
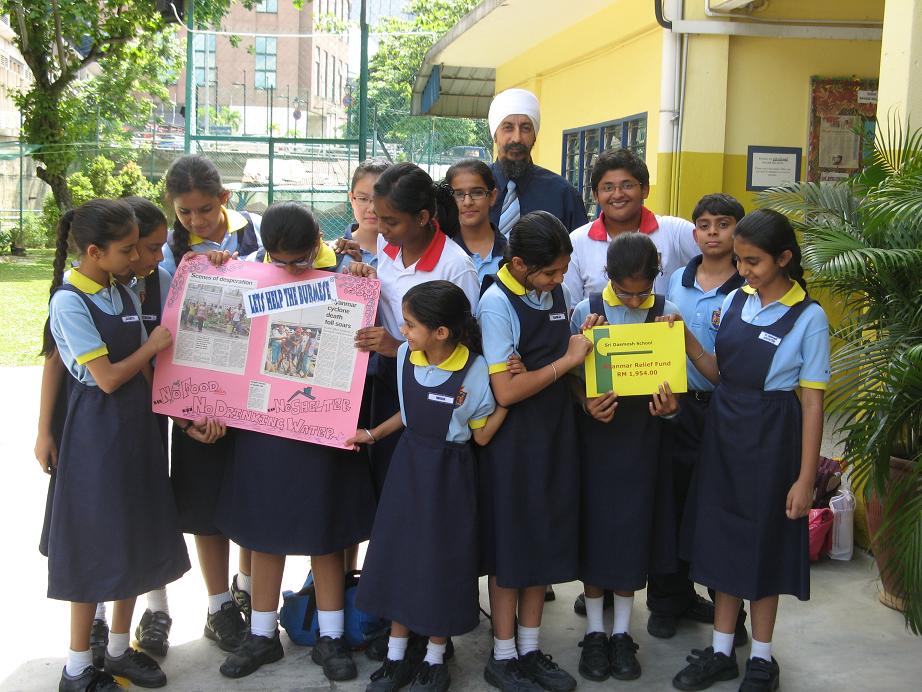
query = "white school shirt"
{"x": 441, "y": 260}
{"x": 674, "y": 239}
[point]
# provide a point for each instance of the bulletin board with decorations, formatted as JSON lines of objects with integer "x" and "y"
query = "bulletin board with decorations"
{"x": 842, "y": 116}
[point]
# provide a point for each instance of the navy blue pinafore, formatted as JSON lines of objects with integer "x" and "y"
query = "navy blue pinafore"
{"x": 626, "y": 509}
{"x": 384, "y": 403}
{"x": 421, "y": 569}
{"x": 57, "y": 430}
{"x": 741, "y": 541}
{"x": 529, "y": 473}
{"x": 150, "y": 316}
{"x": 114, "y": 530}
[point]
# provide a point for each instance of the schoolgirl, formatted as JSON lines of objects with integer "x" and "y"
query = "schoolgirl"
{"x": 753, "y": 486}
{"x": 284, "y": 497}
{"x": 529, "y": 477}
{"x": 412, "y": 249}
{"x": 474, "y": 190}
{"x": 110, "y": 441}
{"x": 429, "y": 503}
{"x": 203, "y": 223}
{"x": 363, "y": 232}
{"x": 698, "y": 290}
{"x": 625, "y": 470}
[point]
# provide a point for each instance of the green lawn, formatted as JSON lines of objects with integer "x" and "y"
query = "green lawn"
{"x": 24, "y": 283}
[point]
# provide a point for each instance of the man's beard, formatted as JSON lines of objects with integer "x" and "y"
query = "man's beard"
{"x": 515, "y": 169}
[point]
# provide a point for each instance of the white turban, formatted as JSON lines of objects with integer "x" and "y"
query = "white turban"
{"x": 514, "y": 102}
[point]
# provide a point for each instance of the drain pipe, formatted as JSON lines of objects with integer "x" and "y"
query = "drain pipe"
{"x": 669, "y": 107}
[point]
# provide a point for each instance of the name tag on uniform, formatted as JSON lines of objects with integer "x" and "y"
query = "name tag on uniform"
{"x": 556, "y": 316}
{"x": 441, "y": 398}
{"x": 149, "y": 318}
{"x": 770, "y": 338}
{"x": 130, "y": 318}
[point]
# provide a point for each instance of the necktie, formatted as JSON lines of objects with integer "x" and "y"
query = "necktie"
{"x": 510, "y": 212}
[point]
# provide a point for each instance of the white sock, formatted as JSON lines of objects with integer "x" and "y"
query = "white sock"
{"x": 723, "y": 643}
{"x": 504, "y": 649}
{"x": 332, "y": 623}
{"x": 100, "y": 612}
{"x": 215, "y": 602}
{"x": 623, "y": 606}
{"x": 78, "y": 661}
{"x": 156, "y": 601}
{"x": 528, "y": 639}
{"x": 244, "y": 583}
{"x": 397, "y": 648}
{"x": 761, "y": 650}
{"x": 435, "y": 653}
{"x": 264, "y": 623}
{"x": 595, "y": 608}
{"x": 118, "y": 644}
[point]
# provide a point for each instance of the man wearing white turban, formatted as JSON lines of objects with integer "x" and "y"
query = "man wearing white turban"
{"x": 515, "y": 119}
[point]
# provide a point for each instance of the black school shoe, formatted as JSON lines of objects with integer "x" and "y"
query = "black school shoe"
{"x": 761, "y": 676}
{"x": 377, "y": 647}
{"x": 242, "y": 599}
{"x": 434, "y": 678}
{"x": 541, "y": 668}
{"x": 549, "y": 594}
{"x": 227, "y": 627}
{"x": 92, "y": 679}
{"x": 507, "y": 675}
{"x": 593, "y": 660}
{"x": 579, "y": 605}
{"x": 254, "y": 652}
{"x": 622, "y": 657}
{"x": 335, "y": 657}
{"x": 137, "y": 667}
{"x": 99, "y": 641}
{"x": 705, "y": 667}
{"x": 153, "y": 632}
{"x": 392, "y": 676}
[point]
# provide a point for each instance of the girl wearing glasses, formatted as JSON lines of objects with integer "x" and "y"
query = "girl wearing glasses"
{"x": 285, "y": 497}
{"x": 364, "y": 231}
{"x": 625, "y": 469}
{"x": 475, "y": 192}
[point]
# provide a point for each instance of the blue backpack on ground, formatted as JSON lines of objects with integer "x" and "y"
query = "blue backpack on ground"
{"x": 299, "y": 615}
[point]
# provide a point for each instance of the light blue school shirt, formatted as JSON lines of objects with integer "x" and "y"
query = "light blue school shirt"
{"x": 499, "y": 324}
{"x": 72, "y": 325}
{"x": 137, "y": 287}
{"x": 344, "y": 260}
{"x": 478, "y": 403}
{"x": 802, "y": 357}
{"x": 235, "y": 221}
{"x": 700, "y": 310}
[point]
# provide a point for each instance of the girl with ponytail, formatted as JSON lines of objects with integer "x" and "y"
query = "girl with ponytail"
{"x": 429, "y": 504}
{"x": 414, "y": 215}
{"x": 113, "y": 490}
{"x": 754, "y": 484}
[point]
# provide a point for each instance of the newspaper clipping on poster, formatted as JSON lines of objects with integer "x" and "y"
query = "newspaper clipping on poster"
{"x": 263, "y": 350}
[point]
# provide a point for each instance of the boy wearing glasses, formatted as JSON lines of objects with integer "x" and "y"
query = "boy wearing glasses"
{"x": 620, "y": 183}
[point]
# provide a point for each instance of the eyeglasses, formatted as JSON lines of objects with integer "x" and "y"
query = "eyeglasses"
{"x": 477, "y": 194}
{"x": 362, "y": 199}
{"x": 302, "y": 263}
{"x": 627, "y": 295}
{"x": 626, "y": 186}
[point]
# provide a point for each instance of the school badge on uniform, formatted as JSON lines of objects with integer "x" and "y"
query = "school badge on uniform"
{"x": 715, "y": 318}
{"x": 462, "y": 395}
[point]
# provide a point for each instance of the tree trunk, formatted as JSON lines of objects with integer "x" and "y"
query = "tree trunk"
{"x": 58, "y": 184}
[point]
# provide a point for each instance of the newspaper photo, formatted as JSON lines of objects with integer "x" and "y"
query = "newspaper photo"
{"x": 213, "y": 330}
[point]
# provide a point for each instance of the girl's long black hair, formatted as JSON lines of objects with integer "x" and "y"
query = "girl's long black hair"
{"x": 443, "y": 304}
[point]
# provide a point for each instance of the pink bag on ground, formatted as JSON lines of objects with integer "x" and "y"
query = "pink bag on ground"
{"x": 819, "y": 527}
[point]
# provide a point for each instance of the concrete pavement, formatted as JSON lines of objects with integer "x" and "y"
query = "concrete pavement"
{"x": 842, "y": 639}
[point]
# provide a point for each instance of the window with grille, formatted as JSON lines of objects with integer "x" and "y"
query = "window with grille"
{"x": 581, "y": 147}
{"x": 268, "y": 6}
{"x": 203, "y": 58}
{"x": 265, "y": 61}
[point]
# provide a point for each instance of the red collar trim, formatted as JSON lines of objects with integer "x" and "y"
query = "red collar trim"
{"x": 648, "y": 224}
{"x": 430, "y": 257}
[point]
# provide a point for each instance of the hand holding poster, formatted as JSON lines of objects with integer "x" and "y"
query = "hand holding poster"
{"x": 260, "y": 349}
{"x": 631, "y": 359}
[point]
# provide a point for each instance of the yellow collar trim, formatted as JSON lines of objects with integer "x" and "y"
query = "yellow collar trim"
{"x": 794, "y": 295}
{"x": 233, "y": 221}
{"x": 84, "y": 283}
{"x": 510, "y": 281}
{"x": 325, "y": 258}
{"x": 454, "y": 362}
{"x": 610, "y": 297}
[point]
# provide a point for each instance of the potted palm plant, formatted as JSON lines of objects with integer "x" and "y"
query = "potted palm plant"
{"x": 862, "y": 242}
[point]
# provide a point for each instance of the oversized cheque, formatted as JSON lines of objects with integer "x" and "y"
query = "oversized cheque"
{"x": 259, "y": 349}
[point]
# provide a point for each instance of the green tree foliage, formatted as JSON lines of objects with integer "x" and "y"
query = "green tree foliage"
{"x": 126, "y": 43}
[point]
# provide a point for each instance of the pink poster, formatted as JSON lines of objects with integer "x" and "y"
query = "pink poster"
{"x": 260, "y": 349}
